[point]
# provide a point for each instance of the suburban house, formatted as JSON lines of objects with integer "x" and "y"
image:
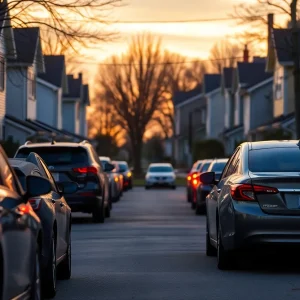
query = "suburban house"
{"x": 7, "y": 51}
{"x": 51, "y": 85}
{"x": 215, "y": 105}
{"x": 74, "y": 106}
{"x": 190, "y": 121}
{"x": 253, "y": 96}
{"x": 21, "y": 76}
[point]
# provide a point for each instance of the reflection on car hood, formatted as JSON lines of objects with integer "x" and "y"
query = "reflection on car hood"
{"x": 160, "y": 174}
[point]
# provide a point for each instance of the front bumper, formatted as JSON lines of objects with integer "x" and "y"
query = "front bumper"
{"x": 245, "y": 225}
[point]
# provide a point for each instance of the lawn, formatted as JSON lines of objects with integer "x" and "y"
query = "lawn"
{"x": 141, "y": 181}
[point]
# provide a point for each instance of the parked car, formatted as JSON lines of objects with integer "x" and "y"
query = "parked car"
{"x": 255, "y": 202}
{"x": 120, "y": 178}
{"x": 160, "y": 174}
{"x": 55, "y": 216}
{"x": 127, "y": 174}
{"x": 21, "y": 234}
{"x": 203, "y": 190}
{"x": 196, "y": 180}
{"x": 113, "y": 178}
{"x": 76, "y": 162}
{"x": 191, "y": 180}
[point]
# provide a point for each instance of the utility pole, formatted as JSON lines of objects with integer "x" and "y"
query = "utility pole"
{"x": 296, "y": 58}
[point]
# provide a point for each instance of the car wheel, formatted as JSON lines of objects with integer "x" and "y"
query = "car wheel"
{"x": 64, "y": 269}
{"x": 147, "y": 187}
{"x": 226, "y": 260}
{"x": 99, "y": 213}
{"x": 174, "y": 187}
{"x": 49, "y": 278}
{"x": 210, "y": 250}
{"x": 36, "y": 293}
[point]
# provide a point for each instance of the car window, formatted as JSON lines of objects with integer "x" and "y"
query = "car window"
{"x": 7, "y": 176}
{"x": 218, "y": 166}
{"x": 232, "y": 165}
{"x": 22, "y": 178}
{"x": 96, "y": 157}
{"x": 57, "y": 155}
{"x": 204, "y": 167}
{"x": 198, "y": 166}
{"x": 49, "y": 175}
{"x": 160, "y": 169}
{"x": 123, "y": 167}
{"x": 275, "y": 160}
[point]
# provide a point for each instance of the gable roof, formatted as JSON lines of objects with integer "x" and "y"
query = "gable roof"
{"x": 211, "y": 82}
{"x": 228, "y": 77}
{"x": 86, "y": 94}
{"x": 180, "y": 96}
{"x": 250, "y": 74}
{"x": 75, "y": 87}
{"x": 54, "y": 69}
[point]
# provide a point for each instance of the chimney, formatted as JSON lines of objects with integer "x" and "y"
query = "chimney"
{"x": 80, "y": 76}
{"x": 270, "y": 27}
{"x": 246, "y": 54}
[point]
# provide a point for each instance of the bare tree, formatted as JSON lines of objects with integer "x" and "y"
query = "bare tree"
{"x": 73, "y": 22}
{"x": 224, "y": 54}
{"x": 135, "y": 84}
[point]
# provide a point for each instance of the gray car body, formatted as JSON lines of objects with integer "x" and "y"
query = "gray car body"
{"x": 246, "y": 224}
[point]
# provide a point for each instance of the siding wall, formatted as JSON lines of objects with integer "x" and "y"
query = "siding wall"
{"x": 59, "y": 109}
{"x": 83, "y": 126}
{"x": 2, "y": 93}
{"x": 68, "y": 111}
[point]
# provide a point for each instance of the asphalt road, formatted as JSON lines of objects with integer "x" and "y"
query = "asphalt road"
{"x": 153, "y": 248}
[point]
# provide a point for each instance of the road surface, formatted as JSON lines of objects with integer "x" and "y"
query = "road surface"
{"x": 153, "y": 248}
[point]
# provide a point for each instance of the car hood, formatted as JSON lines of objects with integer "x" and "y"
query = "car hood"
{"x": 160, "y": 174}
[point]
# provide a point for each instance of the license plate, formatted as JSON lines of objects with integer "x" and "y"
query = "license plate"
{"x": 55, "y": 176}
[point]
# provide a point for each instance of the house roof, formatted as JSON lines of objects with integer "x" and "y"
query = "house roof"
{"x": 55, "y": 66}
{"x": 26, "y": 124}
{"x": 211, "y": 82}
{"x": 26, "y": 40}
{"x": 181, "y": 96}
{"x": 253, "y": 73}
{"x": 3, "y": 14}
{"x": 228, "y": 77}
{"x": 75, "y": 86}
{"x": 282, "y": 41}
{"x": 86, "y": 94}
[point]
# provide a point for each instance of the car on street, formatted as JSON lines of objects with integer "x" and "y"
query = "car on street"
{"x": 191, "y": 180}
{"x": 256, "y": 202}
{"x": 196, "y": 180}
{"x": 114, "y": 185}
{"x": 120, "y": 178}
{"x": 127, "y": 174}
{"x": 202, "y": 190}
{"x": 160, "y": 174}
{"x": 55, "y": 216}
{"x": 21, "y": 239}
{"x": 77, "y": 162}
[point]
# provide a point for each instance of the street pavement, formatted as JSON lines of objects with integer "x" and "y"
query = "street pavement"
{"x": 153, "y": 248}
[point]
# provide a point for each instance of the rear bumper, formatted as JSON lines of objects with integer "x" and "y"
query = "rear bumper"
{"x": 80, "y": 203}
{"x": 248, "y": 226}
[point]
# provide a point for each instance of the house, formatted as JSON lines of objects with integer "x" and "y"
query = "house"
{"x": 7, "y": 51}
{"x": 74, "y": 106}
{"x": 190, "y": 120}
{"x": 215, "y": 105}
{"x": 51, "y": 85}
{"x": 253, "y": 96}
{"x": 21, "y": 76}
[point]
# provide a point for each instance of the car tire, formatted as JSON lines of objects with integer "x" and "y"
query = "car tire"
{"x": 147, "y": 187}
{"x": 226, "y": 260}
{"x": 36, "y": 293}
{"x": 64, "y": 269}
{"x": 193, "y": 205}
{"x": 50, "y": 272}
{"x": 99, "y": 213}
{"x": 210, "y": 249}
{"x": 174, "y": 187}
{"x": 107, "y": 211}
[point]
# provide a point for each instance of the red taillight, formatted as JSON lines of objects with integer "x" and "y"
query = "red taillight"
{"x": 24, "y": 208}
{"x": 246, "y": 192}
{"x": 86, "y": 170}
{"x": 35, "y": 203}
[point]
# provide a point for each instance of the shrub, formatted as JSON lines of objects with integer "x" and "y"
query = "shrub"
{"x": 208, "y": 149}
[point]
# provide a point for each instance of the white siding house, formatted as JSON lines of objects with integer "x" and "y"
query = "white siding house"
{"x": 83, "y": 130}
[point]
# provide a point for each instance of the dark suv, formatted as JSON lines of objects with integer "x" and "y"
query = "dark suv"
{"x": 77, "y": 162}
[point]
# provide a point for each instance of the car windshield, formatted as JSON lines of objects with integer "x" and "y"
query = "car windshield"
{"x": 160, "y": 169}
{"x": 204, "y": 167}
{"x": 57, "y": 155}
{"x": 274, "y": 160}
{"x": 123, "y": 167}
{"x": 218, "y": 166}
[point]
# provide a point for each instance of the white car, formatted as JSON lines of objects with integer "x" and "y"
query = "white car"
{"x": 160, "y": 174}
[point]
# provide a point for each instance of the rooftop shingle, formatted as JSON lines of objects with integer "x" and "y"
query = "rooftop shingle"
{"x": 211, "y": 82}
{"x": 180, "y": 96}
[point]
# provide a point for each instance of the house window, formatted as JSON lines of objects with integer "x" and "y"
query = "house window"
{"x": 2, "y": 73}
{"x": 31, "y": 85}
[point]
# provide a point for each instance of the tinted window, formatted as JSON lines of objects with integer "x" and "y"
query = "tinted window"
{"x": 199, "y": 166}
{"x": 57, "y": 155}
{"x": 218, "y": 166}
{"x": 275, "y": 160}
{"x": 22, "y": 178}
{"x": 205, "y": 167}
{"x": 123, "y": 167}
{"x": 160, "y": 169}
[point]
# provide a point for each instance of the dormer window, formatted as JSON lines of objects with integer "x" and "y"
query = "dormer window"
{"x": 2, "y": 73}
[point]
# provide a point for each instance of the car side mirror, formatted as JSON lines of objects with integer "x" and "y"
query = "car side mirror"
{"x": 208, "y": 178}
{"x": 37, "y": 186}
{"x": 68, "y": 187}
{"x": 108, "y": 167}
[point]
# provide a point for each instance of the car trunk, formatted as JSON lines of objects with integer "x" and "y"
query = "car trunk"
{"x": 287, "y": 200}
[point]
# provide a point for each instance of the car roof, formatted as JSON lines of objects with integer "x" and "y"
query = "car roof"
{"x": 220, "y": 160}
{"x": 23, "y": 165}
{"x": 121, "y": 162}
{"x": 161, "y": 164}
{"x": 104, "y": 158}
{"x": 207, "y": 161}
{"x": 56, "y": 144}
{"x": 273, "y": 144}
